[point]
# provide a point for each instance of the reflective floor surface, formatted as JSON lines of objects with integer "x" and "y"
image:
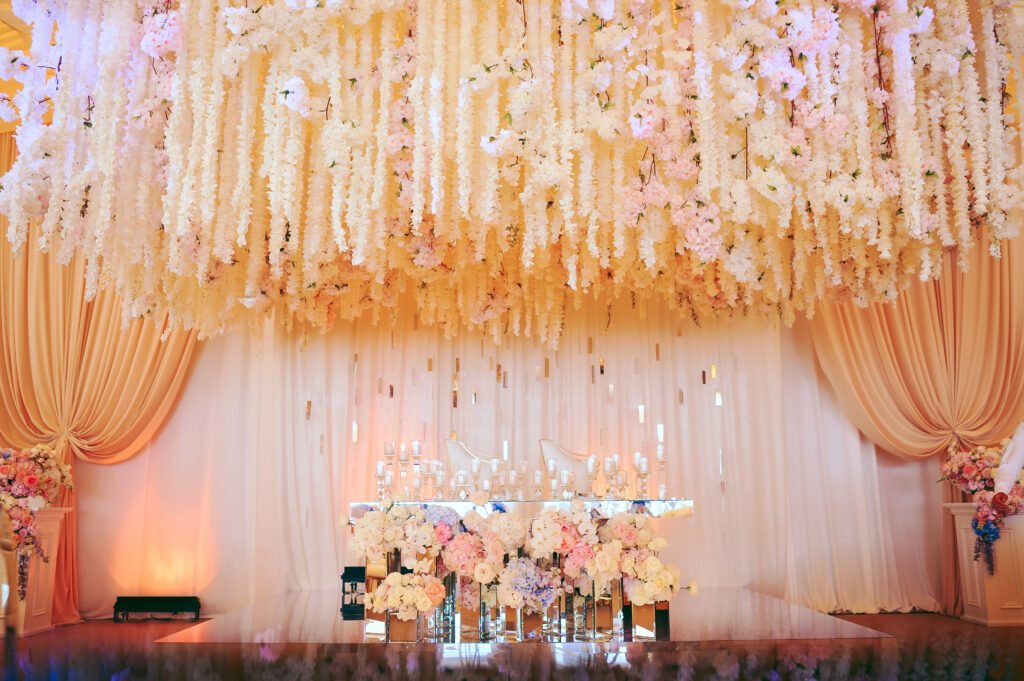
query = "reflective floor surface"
{"x": 293, "y": 638}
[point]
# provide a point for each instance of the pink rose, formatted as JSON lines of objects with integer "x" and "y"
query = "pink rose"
{"x": 443, "y": 533}
{"x": 434, "y": 590}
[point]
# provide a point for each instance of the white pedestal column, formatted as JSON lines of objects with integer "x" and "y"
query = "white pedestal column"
{"x": 36, "y": 611}
{"x": 992, "y": 600}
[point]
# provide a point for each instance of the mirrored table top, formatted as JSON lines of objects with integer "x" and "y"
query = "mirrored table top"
{"x": 657, "y": 508}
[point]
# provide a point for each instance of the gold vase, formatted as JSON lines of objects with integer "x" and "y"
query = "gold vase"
{"x": 643, "y": 622}
{"x": 530, "y": 625}
{"x": 402, "y": 631}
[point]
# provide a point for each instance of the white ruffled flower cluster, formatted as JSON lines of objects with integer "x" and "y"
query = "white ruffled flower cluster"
{"x": 406, "y": 595}
{"x": 400, "y": 527}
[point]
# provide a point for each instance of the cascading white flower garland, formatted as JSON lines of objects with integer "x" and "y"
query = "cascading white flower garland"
{"x": 493, "y": 162}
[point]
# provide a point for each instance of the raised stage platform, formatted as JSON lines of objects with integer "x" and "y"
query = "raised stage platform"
{"x": 712, "y": 615}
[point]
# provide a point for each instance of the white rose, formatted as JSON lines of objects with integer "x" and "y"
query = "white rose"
{"x": 604, "y": 561}
{"x": 662, "y": 581}
{"x": 483, "y": 573}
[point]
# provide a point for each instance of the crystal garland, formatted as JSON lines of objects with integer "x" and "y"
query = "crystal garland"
{"x": 493, "y": 162}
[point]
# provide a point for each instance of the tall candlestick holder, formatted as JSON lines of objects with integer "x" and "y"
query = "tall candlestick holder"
{"x": 641, "y": 484}
{"x": 662, "y": 469}
{"x": 379, "y": 475}
{"x": 440, "y": 484}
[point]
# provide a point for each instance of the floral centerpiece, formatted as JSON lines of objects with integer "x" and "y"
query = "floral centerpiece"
{"x": 446, "y": 522}
{"x": 30, "y": 480}
{"x": 479, "y": 556}
{"x": 407, "y": 595}
{"x": 974, "y": 472}
{"x": 524, "y": 584}
{"x": 402, "y": 528}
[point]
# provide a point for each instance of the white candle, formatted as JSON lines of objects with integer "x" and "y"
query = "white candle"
{"x": 380, "y": 469}
{"x": 643, "y": 464}
{"x": 416, "y": 448}
{"x": 355, "y": 432}
{"x": 636, "y": 459}
{"x": 486, "y": 485}
{"x": 565, "y": 478}
{"x": 591, "y": 464}
{"x": 475, "y": 465}
{"x": 608, "y": 463}
{"x": 660, "y": 452}
{"x": 538, "y": 477}
{"x": 504, "y": 450}
{"x": 388, "y": 478}
{"x": 641, "y": 410}
{"x": 661, "y": 433}
{"x": 551, "y": 466}
{"x": 494, "y": 466}
{"x": 403, "y": 455}
{"x": 512, "y": 476}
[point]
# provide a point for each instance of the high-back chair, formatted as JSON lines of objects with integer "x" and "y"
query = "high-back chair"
{"x": 566, "y": 460}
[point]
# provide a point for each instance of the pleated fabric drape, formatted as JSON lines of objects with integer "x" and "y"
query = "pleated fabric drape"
{"x": 75, "y": 376}
{"x": 942, "y": 366}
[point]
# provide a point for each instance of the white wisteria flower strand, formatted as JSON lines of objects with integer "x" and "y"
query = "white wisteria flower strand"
{"x": 494, "y": 162}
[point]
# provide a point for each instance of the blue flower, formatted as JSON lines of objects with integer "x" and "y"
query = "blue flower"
{"x": 988, "y": 532}
{"x": 437, "y": 514}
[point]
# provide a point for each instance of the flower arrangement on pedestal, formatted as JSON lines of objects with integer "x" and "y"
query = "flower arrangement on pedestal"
{"x": 30, "y": 480}
{"x": 325, "y": 159}
{"x": 974, "y": 472}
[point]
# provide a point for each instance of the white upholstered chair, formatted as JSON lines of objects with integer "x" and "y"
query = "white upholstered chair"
{"x": 566, "y": 461}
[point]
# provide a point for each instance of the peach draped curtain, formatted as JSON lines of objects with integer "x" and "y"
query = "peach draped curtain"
{"x": 73, "y": 375}
{"x": 942, "y": 366}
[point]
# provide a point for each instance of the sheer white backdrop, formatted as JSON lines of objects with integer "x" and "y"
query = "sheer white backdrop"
{"x": 239, "y": 497}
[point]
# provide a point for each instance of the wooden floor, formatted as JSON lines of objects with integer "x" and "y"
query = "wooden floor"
{"x": 919, "y": 647}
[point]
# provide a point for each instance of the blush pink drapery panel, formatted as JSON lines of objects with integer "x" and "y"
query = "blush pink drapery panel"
{"x": 942, "y": 366}
{"x": 74, "y": 376}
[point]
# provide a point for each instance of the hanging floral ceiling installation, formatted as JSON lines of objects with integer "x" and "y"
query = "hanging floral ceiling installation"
{"x": 496, "y": 161}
